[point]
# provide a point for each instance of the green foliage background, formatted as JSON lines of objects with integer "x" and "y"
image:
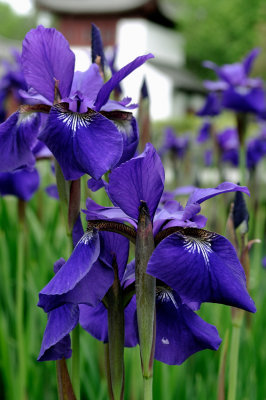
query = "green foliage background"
{"x": 221, "y": 31}
{"x": 14, "y": 26}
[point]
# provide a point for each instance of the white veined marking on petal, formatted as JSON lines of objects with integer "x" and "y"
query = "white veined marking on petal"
{"x": 124, "y": 127}
{"x": 74, "y": 121}
{"x": 25, "y": 117}
{"x": 200, "y": 246}
{"x": 165, "y": 340}
{"x": 86, "y": 238}
{"x": 164, "y": 295}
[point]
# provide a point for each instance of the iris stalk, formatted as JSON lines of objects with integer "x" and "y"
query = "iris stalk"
{"x": 234, "y": 353}
{"x": 237, "y": 315}
{"x": 116, "y": 337}
{"x": 22, "y": 368}
{"x": 145, "y": 296}
{"x": 69, "y": 197}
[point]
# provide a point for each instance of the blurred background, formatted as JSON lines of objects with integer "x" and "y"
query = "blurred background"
{"x": 181, "y": 34}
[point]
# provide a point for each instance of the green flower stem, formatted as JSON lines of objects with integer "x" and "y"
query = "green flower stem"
{"x": 222, "y": 365}
{"x": 107, "y": 370}
{"x": 64, "y": 386}
{"x": 75, "y": 362}
{"x": 69, "y": 197}
{"x": 242, "y": 164}
{"x": 234, "y": 351}
{"x": 147, "y": 385}
{"x": 241, "y": 120}
{"x": 145, "y": 296}
{"x": 22, "y": 363}
{"x": 116, "y": 336}
{"x": 237, "y": 315}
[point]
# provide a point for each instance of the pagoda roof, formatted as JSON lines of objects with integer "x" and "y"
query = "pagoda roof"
{"x": 164, "y": 8}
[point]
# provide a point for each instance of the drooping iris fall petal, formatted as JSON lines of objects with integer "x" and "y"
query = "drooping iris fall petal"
{"x": 82, "y": 143}
{"x": 201, "y": 266}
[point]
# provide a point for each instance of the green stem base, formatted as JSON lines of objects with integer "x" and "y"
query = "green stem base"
{"x": 147, "y": 388}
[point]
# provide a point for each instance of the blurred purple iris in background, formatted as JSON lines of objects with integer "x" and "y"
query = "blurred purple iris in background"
{"x": 12, "y": 81}
{"x": 22, "y": 183}
{"x": 239, "y": 92}
{"x": 176, "y": 145}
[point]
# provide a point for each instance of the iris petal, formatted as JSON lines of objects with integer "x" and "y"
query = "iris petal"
{"x": 46, "y": 56}
{"x": 180, "y": 332}
{"x": 56, "y": 340}
{"x": 79, "y": 141}
{"x": 141, "y": 178}
{"x": 246, "y": 100}
{"x": 201, "y": 266}
{"x": 95, "y": 321}
{"x": 200, "y": 195}
{"x": 95, "y": 211}
{"x": 117, "y": 77}
{"x": 126, "y": 124}
{"x": 21, "y": 183}
{"x": 17, "y": 136}
{"x": 71, "y": 274}
{"x": 88, "y": 82}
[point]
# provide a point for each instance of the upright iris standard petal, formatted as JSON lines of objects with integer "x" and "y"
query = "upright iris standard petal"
{"x": 71, "y": 273}
{"x": 96, "y": 212}
{"x": 249, "y": 60}
{"x": 46, "y": 56}
{"x": 82, "y": 143}
{"x": 22, "y": 183}
{"x": 17, "y": 137}
{"x": 201, "y": 266}
{"x": 108, "y": 87}
{"x": 200, "y": 195}
{"x": 179, "y": 331}
{"x": 88, "y": 82}
{"x": 56, "y": 340}
{"x": 141, "y": 178}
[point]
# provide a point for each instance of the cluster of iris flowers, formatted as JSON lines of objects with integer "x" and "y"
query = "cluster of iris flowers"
{"x": 178, "y": 265}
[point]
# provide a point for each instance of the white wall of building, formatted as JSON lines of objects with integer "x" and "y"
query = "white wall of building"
{"x": 136, "y": 37}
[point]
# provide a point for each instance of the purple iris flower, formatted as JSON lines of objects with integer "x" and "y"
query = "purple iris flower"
{"x": 204, "y": 133}
{"x": 180, "y": 191}
{"x": 111, "y": 60}
{"x": 239, "y": 92}
{"x": 12, "y": 81}
{"x": 208, "y": 157}
{"x": 67, "y": 299}
{"x": 83, "y": 124}
{"x": 215, "y": 274}
{"x": 211, "y": 107}
{"x": 22, "y": 183}
{"x": 228, "y": 143}
{"x": 179, "y": 331}
{"x": 177, "y": 145}
{"x": 256, "y": 150}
